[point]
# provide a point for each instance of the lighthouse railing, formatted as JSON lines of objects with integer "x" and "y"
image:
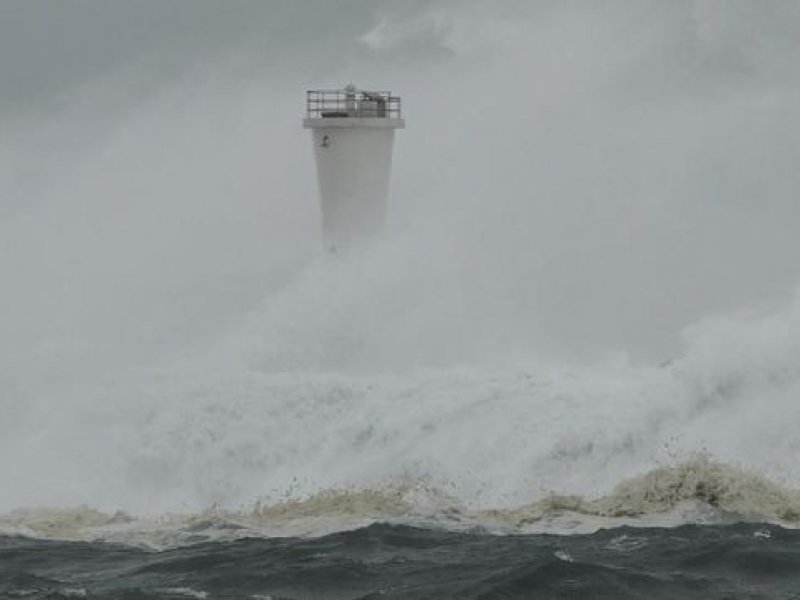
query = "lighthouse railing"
{"x": 321, "y": 104}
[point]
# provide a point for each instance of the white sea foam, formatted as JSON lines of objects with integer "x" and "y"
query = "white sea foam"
{"x": 516, "y": 446}
{"x": 185, "y": 591}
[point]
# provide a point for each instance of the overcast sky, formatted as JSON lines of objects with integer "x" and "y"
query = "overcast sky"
{"x": 576, "y": 178}
{"x": 48, "y": 47}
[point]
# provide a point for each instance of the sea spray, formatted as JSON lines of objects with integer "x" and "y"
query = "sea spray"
{"x": 183, "y": 439}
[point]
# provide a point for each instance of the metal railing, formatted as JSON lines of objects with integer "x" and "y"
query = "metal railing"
{"x": 322, "y": 104}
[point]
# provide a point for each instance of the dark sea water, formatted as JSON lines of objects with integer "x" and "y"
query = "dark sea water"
{"x": 391, "y": 561}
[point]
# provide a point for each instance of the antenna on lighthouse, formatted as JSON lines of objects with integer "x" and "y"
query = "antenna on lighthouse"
{"x": 353, "y": 134}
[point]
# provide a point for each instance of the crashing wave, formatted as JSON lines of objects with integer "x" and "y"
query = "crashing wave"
{"x": 732, "y": 492}
{"x": 700, "y": 489}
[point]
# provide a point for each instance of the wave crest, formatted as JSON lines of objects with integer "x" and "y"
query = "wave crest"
{"x": 730, "y": 491}
{"x": 700, "y": 489}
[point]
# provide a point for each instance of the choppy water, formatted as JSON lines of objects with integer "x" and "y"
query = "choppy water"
{"x": 385, "y": 561}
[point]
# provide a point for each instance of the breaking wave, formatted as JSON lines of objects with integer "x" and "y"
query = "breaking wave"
{"x": 297, "y": 423}
{"x": 699, "y": 490}
{"x": 174, "y": 455}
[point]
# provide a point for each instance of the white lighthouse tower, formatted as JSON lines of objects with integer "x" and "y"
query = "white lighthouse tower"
{"x": 353, "y": 134}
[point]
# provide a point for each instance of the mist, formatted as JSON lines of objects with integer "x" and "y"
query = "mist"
{"x": 579, "y": 183}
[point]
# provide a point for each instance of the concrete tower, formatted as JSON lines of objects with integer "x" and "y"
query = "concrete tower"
{"x": 353, "y": 134}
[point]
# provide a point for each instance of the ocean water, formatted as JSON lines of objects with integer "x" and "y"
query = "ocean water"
{"x": 397, "y": 561}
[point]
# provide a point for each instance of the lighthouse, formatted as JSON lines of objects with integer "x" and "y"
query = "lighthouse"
{"x": 353, "y": 134}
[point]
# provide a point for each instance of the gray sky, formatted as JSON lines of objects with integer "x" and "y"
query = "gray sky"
{"x": 577, "y": 178}
{"x": 47, "y": 47}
